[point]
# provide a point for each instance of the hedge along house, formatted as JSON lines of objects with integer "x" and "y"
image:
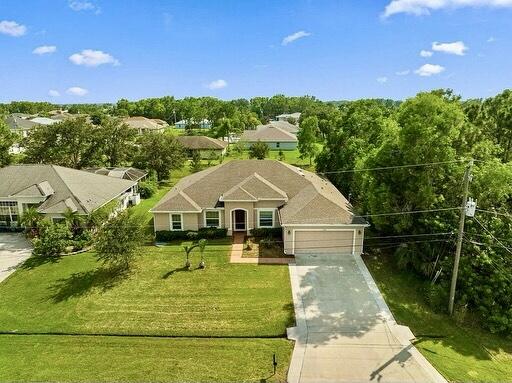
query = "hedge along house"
{"x": 242, "y": 195}
{"x": 53, "y": 190}
{"x": 275, "y": 137}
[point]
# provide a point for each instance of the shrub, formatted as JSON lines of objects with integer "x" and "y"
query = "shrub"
{"x": 53, "y": 239}
{"x": 212, "y": 233}
{"x": 168, "y": 235}
{"x": 147, "y": 188}
{"x": 118, "y": 241}
{"x": 259, "y": 150}
{"x": 272, "y": 232}
{"x": 267, "y": 243}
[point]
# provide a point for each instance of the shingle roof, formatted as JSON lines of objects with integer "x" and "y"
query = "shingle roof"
{"x": 285, "y": 125}
{"x": 142, "y": 123}
{"x": 295, "y": 115}
{"x": 201, "y": 143}
{"x": 310, "y": 199}
{"x": 268, "y": 133}
{"x": 44, "y": 120}
{"x": 14, "y": 122}
{"x": 64, "y": 187}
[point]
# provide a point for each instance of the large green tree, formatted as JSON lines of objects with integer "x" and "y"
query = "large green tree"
{"x": 74, "y": 143}
{"x": 160, "y": 153}
{"x": 307, "y": 137}
{"x": 117, "y": 141}
{"x": 7, "y": 139}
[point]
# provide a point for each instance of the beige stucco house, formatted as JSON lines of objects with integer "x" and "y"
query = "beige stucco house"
{"x": 241, "y": 195}
{"x": 206, "y": 146}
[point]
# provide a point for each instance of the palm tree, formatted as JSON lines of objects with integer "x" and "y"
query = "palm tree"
{"x": 188, "y": 250}
{"x": 29, "y": 219}
{"x": 74, "y": 221}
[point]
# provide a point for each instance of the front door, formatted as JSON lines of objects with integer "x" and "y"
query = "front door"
{"x": 239, "y": 218}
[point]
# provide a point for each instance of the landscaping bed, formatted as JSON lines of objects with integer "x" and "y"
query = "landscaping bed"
{"x": 254, "y": 248}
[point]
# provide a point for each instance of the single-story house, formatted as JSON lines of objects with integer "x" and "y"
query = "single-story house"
{"x": 287, "y": 116}
{"x": 205, "y": 145}
{"x": 284, "y": 125}
{"x": 55, "y": 189}
{"x": 19, "y": 124}
{"x": 203, "y": 124}
{"x": 241, "y": 195}
{"x": 160, "y": 122}
{"x": 143, "y": 125}
{"x": 274, "y": 137}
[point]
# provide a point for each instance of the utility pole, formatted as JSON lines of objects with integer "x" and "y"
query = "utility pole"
{"x": 467, "y": 177}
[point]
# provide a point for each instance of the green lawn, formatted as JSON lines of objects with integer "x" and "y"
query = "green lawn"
{"x": 103, "y": 359}
{"x": 157, "y": 297}
{"x": 460, "y": 353}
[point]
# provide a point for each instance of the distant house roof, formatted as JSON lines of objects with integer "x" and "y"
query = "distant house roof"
{"x": 60, "y": 187}
{"x": 64, "y": 116}
{"x": 132, "y": 174}
{"x": 44, "y": 120}
{"x": 201, "y": 143}
{"x": 268, "y": 133}
{"x": 284, "y": 125}
{"x": 307, "y": 198}
{"x": 14, "y": 122}
{"x": 142, "y": 123}
{"x": 295, "y": 115}
{"x": 159, "y": 121}
{"x": 188, "y": 121}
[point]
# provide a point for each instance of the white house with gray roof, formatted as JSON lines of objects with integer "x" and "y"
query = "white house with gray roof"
{"x": 276, "y": 137}
{"x": 53, "y": 190}
{"x": 242, "y": 195}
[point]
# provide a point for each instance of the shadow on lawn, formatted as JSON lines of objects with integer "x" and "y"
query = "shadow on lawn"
{"x": 79, "y": 284}
{"x": 176, "y": 270}
{"x": 36, "y": 261}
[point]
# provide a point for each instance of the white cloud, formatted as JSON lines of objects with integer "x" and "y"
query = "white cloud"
{"x": 382, "y": 80}
{"x": 77, "y": 91}
{"x": 423, "y": 7}
{"x": 456, "y": 48}
{"x": 83, "y": 5}
{"x": 403, "y": 72}
{"x": 54, "y": 93}
{"x": 12, "y": 28}
{"x": 294, "y": 36}
{"x": 217, "y": 84}
{"x": 44, "y": 49}
{"x": 92, "y": 58}
{"x": 491, "y": 39}
{"x": 425, "y": 53}
{"x": 428, "y": 70}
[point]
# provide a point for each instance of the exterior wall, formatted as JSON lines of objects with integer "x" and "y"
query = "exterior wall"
{"x": 358, "y": 230}
{"x": 229, "y": 206}
{"x": 274, "y": 145}
{"x": 162, "y": 221}
{"x": 205, "y": 154}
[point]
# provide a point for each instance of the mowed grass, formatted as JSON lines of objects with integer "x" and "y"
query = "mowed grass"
{"x": 157, "y": 296}
{"x": 460, "y": 353}
{"x": 107, "y": 359}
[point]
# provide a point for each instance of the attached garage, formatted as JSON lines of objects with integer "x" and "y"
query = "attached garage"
{"x": 323, "y": 240}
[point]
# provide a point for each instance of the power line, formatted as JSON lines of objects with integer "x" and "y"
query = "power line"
{"x": 494, "y": 213}
{"x": 392, "y": 167}
{"x": 408, "y": 212}
{"x": 492, "y": 235}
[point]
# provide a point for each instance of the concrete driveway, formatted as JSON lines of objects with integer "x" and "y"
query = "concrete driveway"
{"x": 14, "y": 250}
{"x": 345, "y": 331}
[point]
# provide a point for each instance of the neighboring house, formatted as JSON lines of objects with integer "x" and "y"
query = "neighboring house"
{"x": 203, "y": 124}
{"x": 143, "y": 125}
{"x": 62, "y": 116}
{"x": 20, "y": 125}
{"x": 284, "y": 125}
{"x": 55, "y": 189}
{"x": 274, "y": 137}
{"x": 160, "y": 122}
{"x": 241, "y": 195}
{"x": 44, "y": 120}
{"x": 205, "y": 145}
{"x": 288, "y": 116}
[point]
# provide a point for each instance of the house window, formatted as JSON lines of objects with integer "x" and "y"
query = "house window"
{"x": 278, "y": 144}
{"x": 212, "y": 218}
{"x": 266, "y": 218}
{"x": 176, "y": 223}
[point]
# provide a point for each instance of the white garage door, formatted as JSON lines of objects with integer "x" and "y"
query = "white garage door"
{"x": 324, "y": 241}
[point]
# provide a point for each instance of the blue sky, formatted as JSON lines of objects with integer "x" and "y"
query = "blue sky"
{"x": 103, "y": 50}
